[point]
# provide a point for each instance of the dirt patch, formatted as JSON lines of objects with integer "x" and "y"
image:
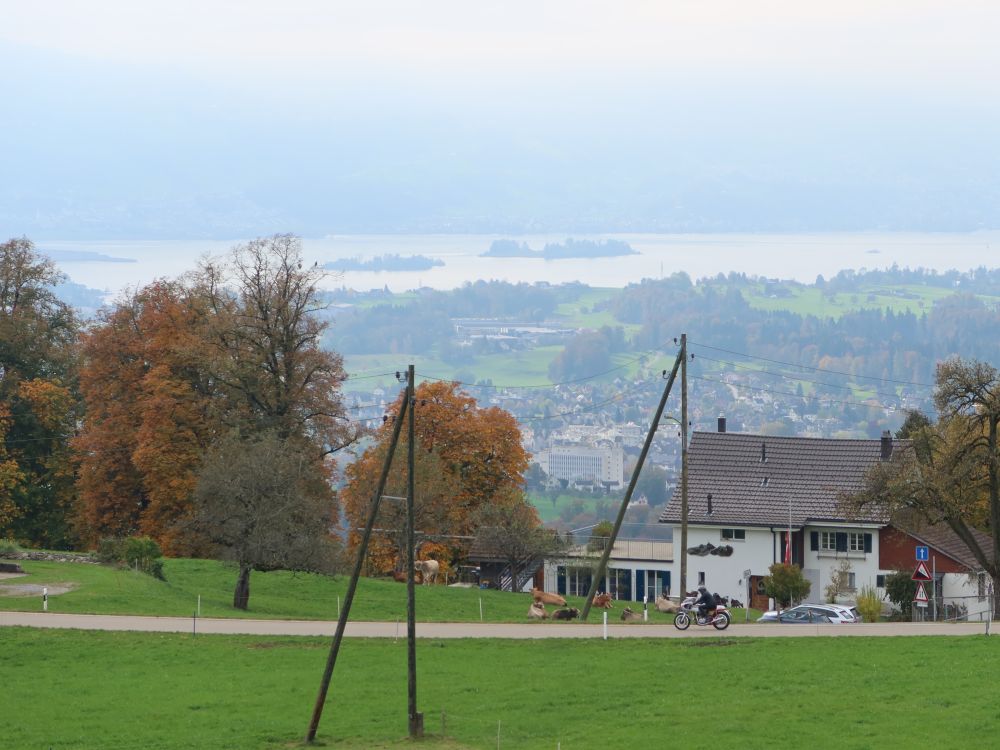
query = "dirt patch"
{"x": 5, "y": 576}
{"x": 34, "y": 589}
{"x": 708, "y": 642}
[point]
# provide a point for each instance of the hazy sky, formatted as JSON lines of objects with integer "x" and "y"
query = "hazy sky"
{"x": 231, "y": 118}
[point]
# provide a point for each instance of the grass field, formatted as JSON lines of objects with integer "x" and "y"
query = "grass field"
{"x": 277, "y": 595}
{"x": 67, "y": 689}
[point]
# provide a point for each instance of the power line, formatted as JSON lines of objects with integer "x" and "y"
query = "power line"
{"x": 814, "y": 369}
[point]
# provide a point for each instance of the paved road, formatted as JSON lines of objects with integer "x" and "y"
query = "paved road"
{"x": 594, "y": 629}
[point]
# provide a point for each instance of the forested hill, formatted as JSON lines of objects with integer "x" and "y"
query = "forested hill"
{"x": 881, "y": 333}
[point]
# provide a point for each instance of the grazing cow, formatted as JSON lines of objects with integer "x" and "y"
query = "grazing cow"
{"x": 603, "y": 601}
{"x": 667, "y": 606}
{"x": 400, "y": 576}
{"x": 566, "y": 614}
{"x": 629, "y": 616}
{"x": 429, "y": 569}
{"x": 537, "y": 611}
{"x": 546, "y": 598}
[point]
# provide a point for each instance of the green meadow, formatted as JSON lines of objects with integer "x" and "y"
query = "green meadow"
{"x": 69, "y": 690}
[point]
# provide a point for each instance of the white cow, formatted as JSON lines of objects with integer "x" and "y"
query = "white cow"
{"x": 428, "y": 569}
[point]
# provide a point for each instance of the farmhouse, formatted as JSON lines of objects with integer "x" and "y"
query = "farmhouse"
{"x": 747, "y": 492}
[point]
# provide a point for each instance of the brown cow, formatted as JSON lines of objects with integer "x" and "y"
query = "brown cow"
{"x": 566, "y": 614}
{"x": 546, "y": 598}
{"x": 603, "y": 601}
{"x": 629, "y": 616}
{"x": 537, "y": 611}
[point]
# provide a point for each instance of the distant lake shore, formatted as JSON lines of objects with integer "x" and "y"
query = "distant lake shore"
{"x": 799, "y": 257}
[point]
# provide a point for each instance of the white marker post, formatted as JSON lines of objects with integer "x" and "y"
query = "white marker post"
{"x": 645, "y": 611}
{"x": 605, "y": 624}
{"x": 45, "y": 599}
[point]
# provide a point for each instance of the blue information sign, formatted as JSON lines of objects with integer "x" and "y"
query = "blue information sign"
{"x": 922, "y": 553}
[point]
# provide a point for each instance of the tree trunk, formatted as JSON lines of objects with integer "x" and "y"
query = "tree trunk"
{"x": 995, "y": 596}
{"x": 241, "y": 596}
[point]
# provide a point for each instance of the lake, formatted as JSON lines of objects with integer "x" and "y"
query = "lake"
{"x": 787, "y": 256}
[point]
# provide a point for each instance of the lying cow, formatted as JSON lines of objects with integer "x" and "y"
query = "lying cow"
{"x": 666, "y": 605}
{"x": 629, "y": 616}
{"x": 566, "y": 614}
{"x": 429, "y": 569}
{"x": 546, "y": 598}
{"x": 603, "y": 601}
{"x": 736, "y": 604}
{"x": 400, "y": 576}
{"x": 537, "y": 611}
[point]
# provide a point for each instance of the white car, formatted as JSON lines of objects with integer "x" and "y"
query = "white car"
{"x": 835, "y": 613}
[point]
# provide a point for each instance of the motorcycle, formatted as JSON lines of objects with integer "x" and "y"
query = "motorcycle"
{"x": 689, "y": 613}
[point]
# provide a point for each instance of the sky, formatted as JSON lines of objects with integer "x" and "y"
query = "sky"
{"x": 226, "y": 119}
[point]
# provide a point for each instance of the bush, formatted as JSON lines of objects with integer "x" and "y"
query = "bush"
{"x": 869, "y": 604}
{"x": 786, "y": 584}
{"x": 137, "y": 552}
{"x": 8, "y": 547}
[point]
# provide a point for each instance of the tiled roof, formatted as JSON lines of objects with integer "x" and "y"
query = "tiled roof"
{"x": 941, "y": 537}
{"x": 757, "y": 479}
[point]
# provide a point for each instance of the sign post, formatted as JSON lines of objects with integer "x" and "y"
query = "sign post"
{"x": 746, "y": 604}
{"x": 920, "y": 575}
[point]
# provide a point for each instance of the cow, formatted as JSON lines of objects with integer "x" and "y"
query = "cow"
{"x": 666, "y": 605}
{"x": 429, "y": 569}
{"x": 603, "y": 601}
{"x": 537, "y": 611}
{"x": 736, "y": 604}
{"x": 629, "y": 616}
{"x": 400, "y": 576}
{"x": 566, "y": 614}
{"x": 546, "y": 598}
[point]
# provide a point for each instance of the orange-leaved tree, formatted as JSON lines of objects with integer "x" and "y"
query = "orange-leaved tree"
{"x": 39, "y": 407}
{"x": 465, "y": 457}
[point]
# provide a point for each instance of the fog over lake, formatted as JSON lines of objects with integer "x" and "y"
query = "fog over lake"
{"x": 787, "y": 256}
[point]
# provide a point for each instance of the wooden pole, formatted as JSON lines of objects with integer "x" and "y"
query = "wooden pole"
{"x": 416, "y": 720}
{"x": 352, "y": 586}
{"x": 603, "y": 564}
{"x": 684, "y": 466}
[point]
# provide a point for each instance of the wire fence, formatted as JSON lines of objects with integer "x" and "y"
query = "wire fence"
{"x": 972, "y": 608}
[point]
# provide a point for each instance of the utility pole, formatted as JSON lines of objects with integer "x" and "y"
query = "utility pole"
{"x": 602, "y": 566}
{"x": 416, "y": 720}
{"x": 684, "y": 465}
{"x": 352, "y": 586}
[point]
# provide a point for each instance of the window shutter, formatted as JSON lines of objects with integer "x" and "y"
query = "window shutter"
{"x": 814, "y": 541}
{"x": 841, "y": 541}
{"x": 868, "y": 543}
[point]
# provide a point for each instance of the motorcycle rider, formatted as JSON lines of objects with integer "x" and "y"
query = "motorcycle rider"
{"x": 705, "y": 602}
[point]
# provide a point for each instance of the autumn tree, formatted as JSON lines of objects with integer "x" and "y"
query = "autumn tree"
{"x": 786, "y": 584}
{"x": 466, "y": 457}
{"x": 951, "y": 474}
{"x": 39, "y": 406}
{"x": 151, "y": 413}
{"x": 232, "y": 347}
{"x": 263, "y": 502}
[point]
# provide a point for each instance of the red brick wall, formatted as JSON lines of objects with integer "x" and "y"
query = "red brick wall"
{"x": 897, "y": 551}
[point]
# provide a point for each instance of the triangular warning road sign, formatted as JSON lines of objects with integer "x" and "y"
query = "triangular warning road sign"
{"x": 921, "y": 593}
{"x": 921, "y": 574}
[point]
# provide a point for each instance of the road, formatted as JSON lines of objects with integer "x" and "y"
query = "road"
{"x": 594, "y": 629}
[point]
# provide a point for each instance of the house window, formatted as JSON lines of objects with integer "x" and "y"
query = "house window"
{"x": 851, "y": 582}
{"x": 855, "y": 542}
{"x": 880, "y": 582}
{"x": 982, "y": 586}
{"x": 573, "y": 581}
{"x": 701, "y": 578}
{"x": 828, "y": 541}
{"x": 734, "y": 535}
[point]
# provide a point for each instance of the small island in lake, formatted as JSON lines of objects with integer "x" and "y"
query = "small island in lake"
{"x": 384, "y": 263}
{"x": 560, "y": 250}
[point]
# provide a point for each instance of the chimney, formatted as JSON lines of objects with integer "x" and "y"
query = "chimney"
{"x": 722, "y": 423}
{"x": 709, "y": 504}
{"x": 886, "y": 445}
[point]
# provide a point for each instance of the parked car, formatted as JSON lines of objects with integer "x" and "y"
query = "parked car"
{"x": 835, "y": 613}
{"x": 794, "y": 617}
